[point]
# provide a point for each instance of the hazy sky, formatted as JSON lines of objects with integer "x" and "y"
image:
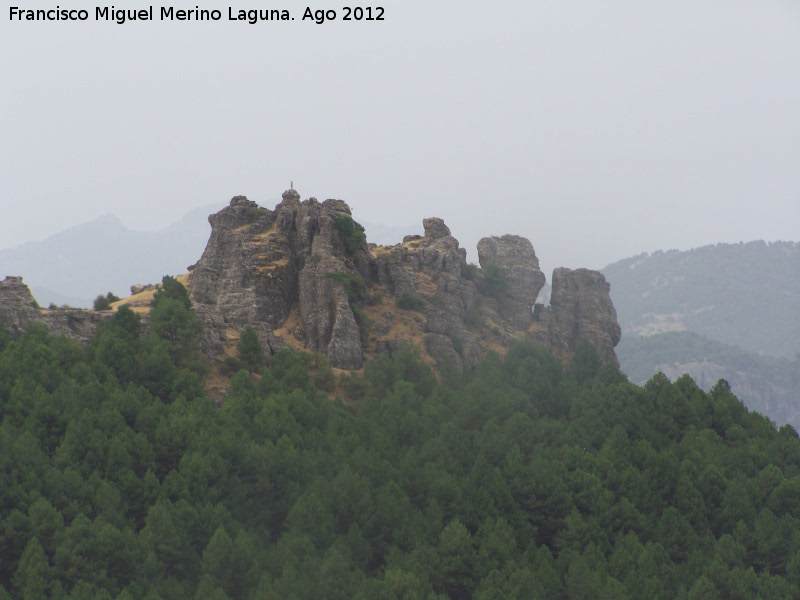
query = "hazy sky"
{"x": 596, "y": 129}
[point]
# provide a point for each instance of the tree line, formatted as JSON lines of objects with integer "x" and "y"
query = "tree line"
{"x": 523, "y": 478}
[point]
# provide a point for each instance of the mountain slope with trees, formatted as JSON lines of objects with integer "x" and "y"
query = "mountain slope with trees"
{"x": 730, "y": 311}
{"x": 747, "y": 295}
{"x": 121, "y": 479}
{"x": 767, "y": 384}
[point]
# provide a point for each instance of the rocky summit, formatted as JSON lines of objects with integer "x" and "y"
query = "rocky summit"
{"x": 304, "y": 276}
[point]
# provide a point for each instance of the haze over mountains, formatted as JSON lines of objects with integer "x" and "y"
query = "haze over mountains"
{"x": 74, "y": 266}
{"x": 729, "y": 311}
{"x": 742, "y": 294}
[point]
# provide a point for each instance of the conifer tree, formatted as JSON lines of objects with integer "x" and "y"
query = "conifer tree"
{"x": 251, "y": 354}
{"x": 32, "y": 572}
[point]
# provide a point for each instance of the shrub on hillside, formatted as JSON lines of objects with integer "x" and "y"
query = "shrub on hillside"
{"x": 410, "y": 301}
{"x": 493, "y": 282}
{"x": 104, "y": 302}
{"x": 352, "y": 232}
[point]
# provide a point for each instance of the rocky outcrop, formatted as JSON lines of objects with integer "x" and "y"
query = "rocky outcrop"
{"x": 18, "y": 310}
{"x": 259, "y": 264}
{"x": 329, "y": 324}
{"x": 580, "y": 308}
{"x": 435, "y": 228}
{"x": 459, "y": 322}
{"x": 244, "y": 276}
{"x": 434, "y": 269}
{"x": 519, "y": 269}
{"x": 18, "y": 307}
{"x": 303, "y": 275}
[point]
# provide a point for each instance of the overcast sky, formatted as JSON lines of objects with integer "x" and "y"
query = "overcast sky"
{"x": 596, "y": 129}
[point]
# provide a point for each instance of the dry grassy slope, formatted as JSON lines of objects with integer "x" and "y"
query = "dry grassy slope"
{"x": 140, "y": 303}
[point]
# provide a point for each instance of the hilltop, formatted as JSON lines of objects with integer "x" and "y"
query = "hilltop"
{"x": 522, "y": 476}
{"x": 304, "y": 276}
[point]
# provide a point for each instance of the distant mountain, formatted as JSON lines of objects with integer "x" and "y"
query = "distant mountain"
{"x": 74, "y": 266}
{"x": 730, "y": 311}
{"x": 742, "y": 294}
{"x": 767, "y": 384}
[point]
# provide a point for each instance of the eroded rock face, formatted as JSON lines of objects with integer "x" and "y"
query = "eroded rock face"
{"x": 523, "y": 279}
{"x": 433, "y": 267}
{"x": 258, "y": 264}
{"x": 304, "y": 271}
{"x": 18, "y": 310}
{"x": 328, "y": 321}
{"x": 18, "y": 307}
{"x": 245, "y": 275}
{"x": 581, "y": 308}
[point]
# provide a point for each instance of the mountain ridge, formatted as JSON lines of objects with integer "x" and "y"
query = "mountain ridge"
{"x": 744, "y": 294}
{"x": 303, "y": 275}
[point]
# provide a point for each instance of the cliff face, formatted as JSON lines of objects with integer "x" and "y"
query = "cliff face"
{"x": 302, "y": 275}
{"x": 580, "y": 308}
{"x": 260, "y": 265}
{"x": 433, "y": 270}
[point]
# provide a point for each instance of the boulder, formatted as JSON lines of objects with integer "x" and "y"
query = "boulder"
{"x": 435, "y": 228}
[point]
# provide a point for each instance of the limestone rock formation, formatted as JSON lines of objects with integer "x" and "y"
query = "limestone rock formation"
{"x": 519, "y": 268}
{"x": 328, "y": 322}
{"x": 461, "y": 323}
{"x": 241, "y": 279}
{"x": 581, "y": 308}
{"x": 259, "y": 264}
{"x": 18, "y": 310}
{"x": 434, "y": 268}
{"x": 302, "y": 275}
{"x": 435, "y": 228}
{"x": 18, "y": 307}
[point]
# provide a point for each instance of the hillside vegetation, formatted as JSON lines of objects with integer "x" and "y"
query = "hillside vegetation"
{"x": 767, "y": 384}
{"x": 730, "y": 311}
{"x": 747, "y": 295}
{"x": 519, "y": 479}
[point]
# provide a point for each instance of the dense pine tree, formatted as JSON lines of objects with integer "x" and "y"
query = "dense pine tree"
{"x": 119, "y": 478}
{"x": 251, "y": 353}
